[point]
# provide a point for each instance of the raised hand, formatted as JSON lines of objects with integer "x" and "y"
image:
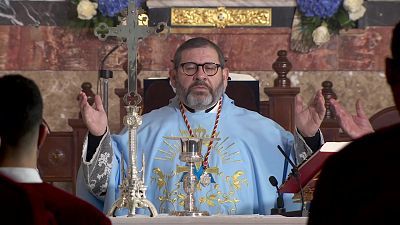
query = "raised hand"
{"x": 354, "y": 125}
{"x": 309, "y": 118}
{"x": 94, "y": 117}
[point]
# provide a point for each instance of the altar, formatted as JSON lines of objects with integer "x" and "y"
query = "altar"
{"x": 210, "y": 220}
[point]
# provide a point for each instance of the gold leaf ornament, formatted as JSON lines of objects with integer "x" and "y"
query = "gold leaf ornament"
{"x": 221, "y": 17}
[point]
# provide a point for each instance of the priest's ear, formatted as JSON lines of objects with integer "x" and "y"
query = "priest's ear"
{"x": 44, "y": 130}
{"x": 172, "y": 75}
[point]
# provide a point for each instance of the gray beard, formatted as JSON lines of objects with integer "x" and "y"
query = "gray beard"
{"x": 203, "y": 101}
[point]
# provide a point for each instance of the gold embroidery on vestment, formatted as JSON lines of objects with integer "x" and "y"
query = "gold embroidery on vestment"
{"x": 214, "y": 198}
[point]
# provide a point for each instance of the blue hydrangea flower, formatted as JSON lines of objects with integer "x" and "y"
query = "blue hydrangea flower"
{"x": 319, "y": 8}
{"x": 111, "y": 8}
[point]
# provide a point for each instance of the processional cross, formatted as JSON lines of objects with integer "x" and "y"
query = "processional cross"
{"x": 132, "y": 188}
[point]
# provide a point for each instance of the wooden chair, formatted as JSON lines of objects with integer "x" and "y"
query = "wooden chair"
{"x": 384, "y": 118}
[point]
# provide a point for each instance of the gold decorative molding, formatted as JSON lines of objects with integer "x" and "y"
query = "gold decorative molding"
{"x": 143, "y": 19}
{"x": 221, "y": 17}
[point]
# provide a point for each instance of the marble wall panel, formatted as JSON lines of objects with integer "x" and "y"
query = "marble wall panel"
{"x": 364, "y": 49}
{"x": 60, "y": 59}
{"x": 368, "y": 86}
{"x": 49, "y": 48}
{"x": 60, "y": 89}
{"x": 61, "y": 49}
{"x": 36, "y": 13}
{"x": 255, "y": 49}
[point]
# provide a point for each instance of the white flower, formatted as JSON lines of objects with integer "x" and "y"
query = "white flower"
{"x": 321, "y": 35}
{"x": 352, "y": 6}
{"x": 358, "y": 14}
{"x": 86, "y": 9}
{"x": 355, "y": 8}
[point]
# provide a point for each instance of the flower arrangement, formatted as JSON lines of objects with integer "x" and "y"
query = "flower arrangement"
{"x": 320, "y": 19}
{"x": 92, "y": 12}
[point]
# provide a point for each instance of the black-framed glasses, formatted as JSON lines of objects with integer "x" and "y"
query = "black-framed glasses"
{"x": 46, "y": 125}
{"x": 190, "y": 68}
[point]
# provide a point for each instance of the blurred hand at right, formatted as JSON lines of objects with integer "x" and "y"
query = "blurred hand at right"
{"x": 355, "y": 126}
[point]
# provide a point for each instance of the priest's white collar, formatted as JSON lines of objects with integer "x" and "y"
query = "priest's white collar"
{"x": 212, "y": 109}
{"x": 21, "y": 174}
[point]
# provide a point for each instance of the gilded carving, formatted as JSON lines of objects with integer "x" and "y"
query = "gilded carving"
{"x": 143, "y": 20}
{"x": 170, "y": 193}
{"x": 221, "y": 17}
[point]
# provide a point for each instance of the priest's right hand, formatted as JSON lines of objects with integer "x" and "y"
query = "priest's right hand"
{"x": 94, "y": 117}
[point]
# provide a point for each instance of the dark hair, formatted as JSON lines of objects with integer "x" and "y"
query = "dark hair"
{"x": 197, "y": 42}
{"x": 21, "y": 108}
{"x": 393, "y": 64}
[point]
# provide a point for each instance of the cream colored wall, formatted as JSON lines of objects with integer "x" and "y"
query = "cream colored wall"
{"x": 60, "y": 89}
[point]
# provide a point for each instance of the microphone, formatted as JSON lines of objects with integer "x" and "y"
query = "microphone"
{"x": 104, "y": 75}
{"x": 279, "y": 210}
{"x": 296, "y": 175}
{"x": 287, "y": 158}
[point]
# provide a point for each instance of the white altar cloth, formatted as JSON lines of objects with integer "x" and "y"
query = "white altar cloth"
{"x": 209, "y": 220}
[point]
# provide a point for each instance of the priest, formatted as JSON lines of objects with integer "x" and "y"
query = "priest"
{"x": 237, "y": 165}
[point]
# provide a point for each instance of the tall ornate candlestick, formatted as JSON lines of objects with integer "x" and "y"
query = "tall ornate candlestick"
{"x": 133, "y": 190}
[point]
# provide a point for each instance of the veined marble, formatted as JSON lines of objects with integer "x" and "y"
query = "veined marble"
{"x": 35, "y": 13}
{"x": 61, "y": 88}
{"x": 8, "y": 12}
{"x": 60, "y": 59}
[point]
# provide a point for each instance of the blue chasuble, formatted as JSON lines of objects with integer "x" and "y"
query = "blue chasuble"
{"x": 240, "y": 162}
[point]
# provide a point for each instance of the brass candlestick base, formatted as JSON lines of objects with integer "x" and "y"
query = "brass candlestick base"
{"x": 132, "y": 197}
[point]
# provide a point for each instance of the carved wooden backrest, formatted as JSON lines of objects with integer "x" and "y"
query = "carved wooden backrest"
{"x": 385, "y": 118}
{"x": 156, "y": 94}
{"x": 281, "y": 105}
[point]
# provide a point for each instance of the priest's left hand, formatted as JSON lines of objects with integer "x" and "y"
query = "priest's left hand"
{"x": 309, "y": 118}
{"x": 355, "y": 126}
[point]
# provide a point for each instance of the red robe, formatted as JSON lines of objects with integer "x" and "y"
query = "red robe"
{"x": 41, "y": 203}
{"x": 22, "y": 206}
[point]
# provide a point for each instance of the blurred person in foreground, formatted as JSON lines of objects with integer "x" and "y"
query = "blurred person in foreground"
{"x": 358, "y": 185}
{"x": 22, "y": 132}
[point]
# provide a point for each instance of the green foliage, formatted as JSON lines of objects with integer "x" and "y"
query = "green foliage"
{"x": 304, "y": 39}
{"x": 340, "y": 20}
